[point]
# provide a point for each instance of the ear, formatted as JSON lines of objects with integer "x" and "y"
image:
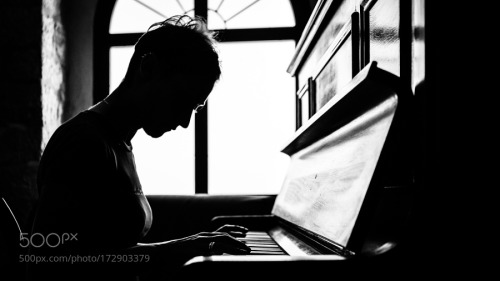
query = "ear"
{"x": 149, "y": 66}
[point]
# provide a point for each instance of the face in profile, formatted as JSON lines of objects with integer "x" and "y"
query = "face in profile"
{"x": 171, "y": 102}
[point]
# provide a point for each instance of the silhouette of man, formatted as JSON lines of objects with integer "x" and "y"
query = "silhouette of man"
{"x": 87, "y": 179}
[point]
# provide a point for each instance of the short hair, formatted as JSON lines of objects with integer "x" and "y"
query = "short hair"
{"x": 184, "y": 43}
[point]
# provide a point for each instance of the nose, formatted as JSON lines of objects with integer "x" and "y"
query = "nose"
{"x": 185, "y": 120}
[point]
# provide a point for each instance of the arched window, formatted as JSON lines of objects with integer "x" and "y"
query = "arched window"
{"x": 233, "y": 145}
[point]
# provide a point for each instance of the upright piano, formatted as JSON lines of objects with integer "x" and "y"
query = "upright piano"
{"x": 346, "y": 162}
{"x": 344, "y": 199}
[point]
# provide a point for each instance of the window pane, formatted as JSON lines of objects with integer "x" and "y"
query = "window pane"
{"x": 251, "y": 115}
{"x": 335, "y": 75}
{"x": 233, "y": 14}
{"x": 384, "y": 35}
{"x": 131, "y": 16}
{"x": 119, "y": 58}
{"x": 165, "y": 165}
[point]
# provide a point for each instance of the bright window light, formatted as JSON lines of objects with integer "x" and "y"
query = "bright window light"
{"x": 251, "y": 115}
{"x": 251, "y": 112}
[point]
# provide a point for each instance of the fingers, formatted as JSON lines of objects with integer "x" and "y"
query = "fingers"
{"x": 237, "y": 234}
{"x": 224, "y": 243}
{"x": 233, "y": 230}
{"x": 223, "y": 240}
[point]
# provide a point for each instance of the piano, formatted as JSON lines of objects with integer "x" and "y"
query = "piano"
{"x": 346, "y": 195}
{"x": 344, "y": 160}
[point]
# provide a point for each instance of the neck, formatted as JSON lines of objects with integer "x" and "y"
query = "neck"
{"x": 119, "y": 114}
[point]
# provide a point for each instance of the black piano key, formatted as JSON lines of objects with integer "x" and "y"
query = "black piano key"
{"x": 265, "y": 244}
{"x": 256, "y": 238}
{"x": 260, "y": 242}
{"x": 260, "y": 249}
{"x": 265, "y": 253}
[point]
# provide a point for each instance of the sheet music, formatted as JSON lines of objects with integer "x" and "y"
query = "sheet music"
{"x": 327, "y": 181}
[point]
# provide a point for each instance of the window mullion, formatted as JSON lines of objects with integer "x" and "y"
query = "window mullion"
{"x": 201, "y": 124}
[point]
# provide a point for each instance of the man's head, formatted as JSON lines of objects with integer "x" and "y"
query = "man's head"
{"x": 182, "y": 44}
{"x": 175, "y": 66}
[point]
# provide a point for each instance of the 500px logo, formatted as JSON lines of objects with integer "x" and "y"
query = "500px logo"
{"x": 52, "y": 240}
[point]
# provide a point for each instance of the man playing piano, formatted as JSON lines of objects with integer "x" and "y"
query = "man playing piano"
{"x": 88, "y": 184}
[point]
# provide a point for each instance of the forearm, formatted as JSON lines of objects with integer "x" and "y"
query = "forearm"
{"x": 164, "y": 255}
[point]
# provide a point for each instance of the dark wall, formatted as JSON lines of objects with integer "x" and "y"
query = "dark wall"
{"x": 20, "y": 102}
{"x": 46, "y": 78}
{"x": 78, "y": 19}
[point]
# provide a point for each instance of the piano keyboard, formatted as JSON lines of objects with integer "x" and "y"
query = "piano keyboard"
{"x": 261, "y": 244}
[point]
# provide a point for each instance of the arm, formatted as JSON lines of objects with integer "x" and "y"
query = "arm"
{"x": 175, "y": 253}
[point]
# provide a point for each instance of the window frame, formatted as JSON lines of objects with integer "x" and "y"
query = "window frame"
{"x": 104, "y": 41}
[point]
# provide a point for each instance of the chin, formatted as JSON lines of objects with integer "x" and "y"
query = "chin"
{"x": 154, "y": 133}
